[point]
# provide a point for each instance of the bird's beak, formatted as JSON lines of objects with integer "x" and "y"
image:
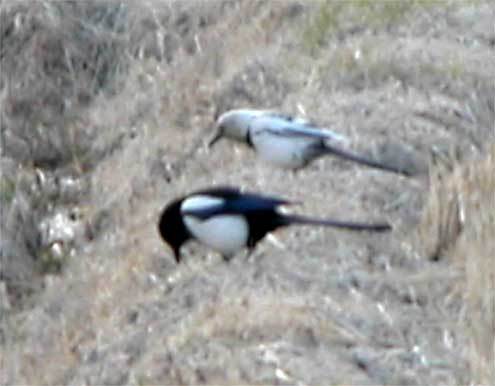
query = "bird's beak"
{"x": 215, "y": 139}
{"x": 177, "y": 255}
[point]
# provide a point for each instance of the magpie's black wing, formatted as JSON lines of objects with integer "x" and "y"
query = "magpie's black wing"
{"x": 249, "y": 202}
{"x": 219, "y": 191}
{"x": 226, "y": 200}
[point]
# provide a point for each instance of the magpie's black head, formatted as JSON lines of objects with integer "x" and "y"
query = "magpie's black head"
{"x": 172, "y": 228}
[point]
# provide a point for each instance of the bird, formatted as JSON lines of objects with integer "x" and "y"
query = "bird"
{"x": 227, "y": 220}
{"x": 285, "y": 141}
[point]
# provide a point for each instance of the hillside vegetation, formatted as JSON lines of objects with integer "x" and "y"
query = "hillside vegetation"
{"x": 105, "y": 112}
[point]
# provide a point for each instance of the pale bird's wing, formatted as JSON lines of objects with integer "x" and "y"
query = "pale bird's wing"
{"x": 293, "y": 127}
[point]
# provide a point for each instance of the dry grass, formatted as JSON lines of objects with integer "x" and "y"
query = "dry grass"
{"x": 254, "y": 316}
{"x": 458, "y": 225}
{"x": 53, "y": 65}
{"x": 337, "y": 19}
{"x": 460, "y": 203}
{"x": 322, "y": 306}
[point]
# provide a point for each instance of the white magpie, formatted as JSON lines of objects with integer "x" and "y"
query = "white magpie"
{"x": 287, "y": 142}
{"x": 227, "y": 220}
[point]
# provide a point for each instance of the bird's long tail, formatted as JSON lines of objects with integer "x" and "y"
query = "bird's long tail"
{"x": 288, "y": 219}
{"x": 363, "y": 160}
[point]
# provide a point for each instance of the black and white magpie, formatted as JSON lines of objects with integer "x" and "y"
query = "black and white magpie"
{"x": 228, "y": 220}
{"x": 287, "y": 142}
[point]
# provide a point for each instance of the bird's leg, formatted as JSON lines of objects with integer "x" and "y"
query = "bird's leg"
{"x": 275, "y": 241}
{"x": 293, "y": 174}
{"x": 227, "y": 258}
{"x": 249, "y": 253}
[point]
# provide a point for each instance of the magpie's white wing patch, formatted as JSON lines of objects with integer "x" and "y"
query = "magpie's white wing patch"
{"x": 202, "y": 206}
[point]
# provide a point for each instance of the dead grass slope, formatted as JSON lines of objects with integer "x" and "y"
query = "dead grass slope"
{"x": 410, "y": 83}
{"x": 458, "y": 225}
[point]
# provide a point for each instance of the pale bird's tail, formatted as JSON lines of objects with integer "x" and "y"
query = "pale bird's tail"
{"x": 329, "y": 149}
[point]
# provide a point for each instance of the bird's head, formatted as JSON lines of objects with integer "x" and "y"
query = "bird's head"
{"x": 172, "y": 228}
{"x": 234, "y": 124}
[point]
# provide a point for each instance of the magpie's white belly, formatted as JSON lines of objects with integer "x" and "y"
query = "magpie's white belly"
{"x": 290, "y": 153}
{"x": 225, "y": 233}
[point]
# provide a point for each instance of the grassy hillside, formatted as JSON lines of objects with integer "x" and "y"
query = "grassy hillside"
{"x": 105, "y": 112}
